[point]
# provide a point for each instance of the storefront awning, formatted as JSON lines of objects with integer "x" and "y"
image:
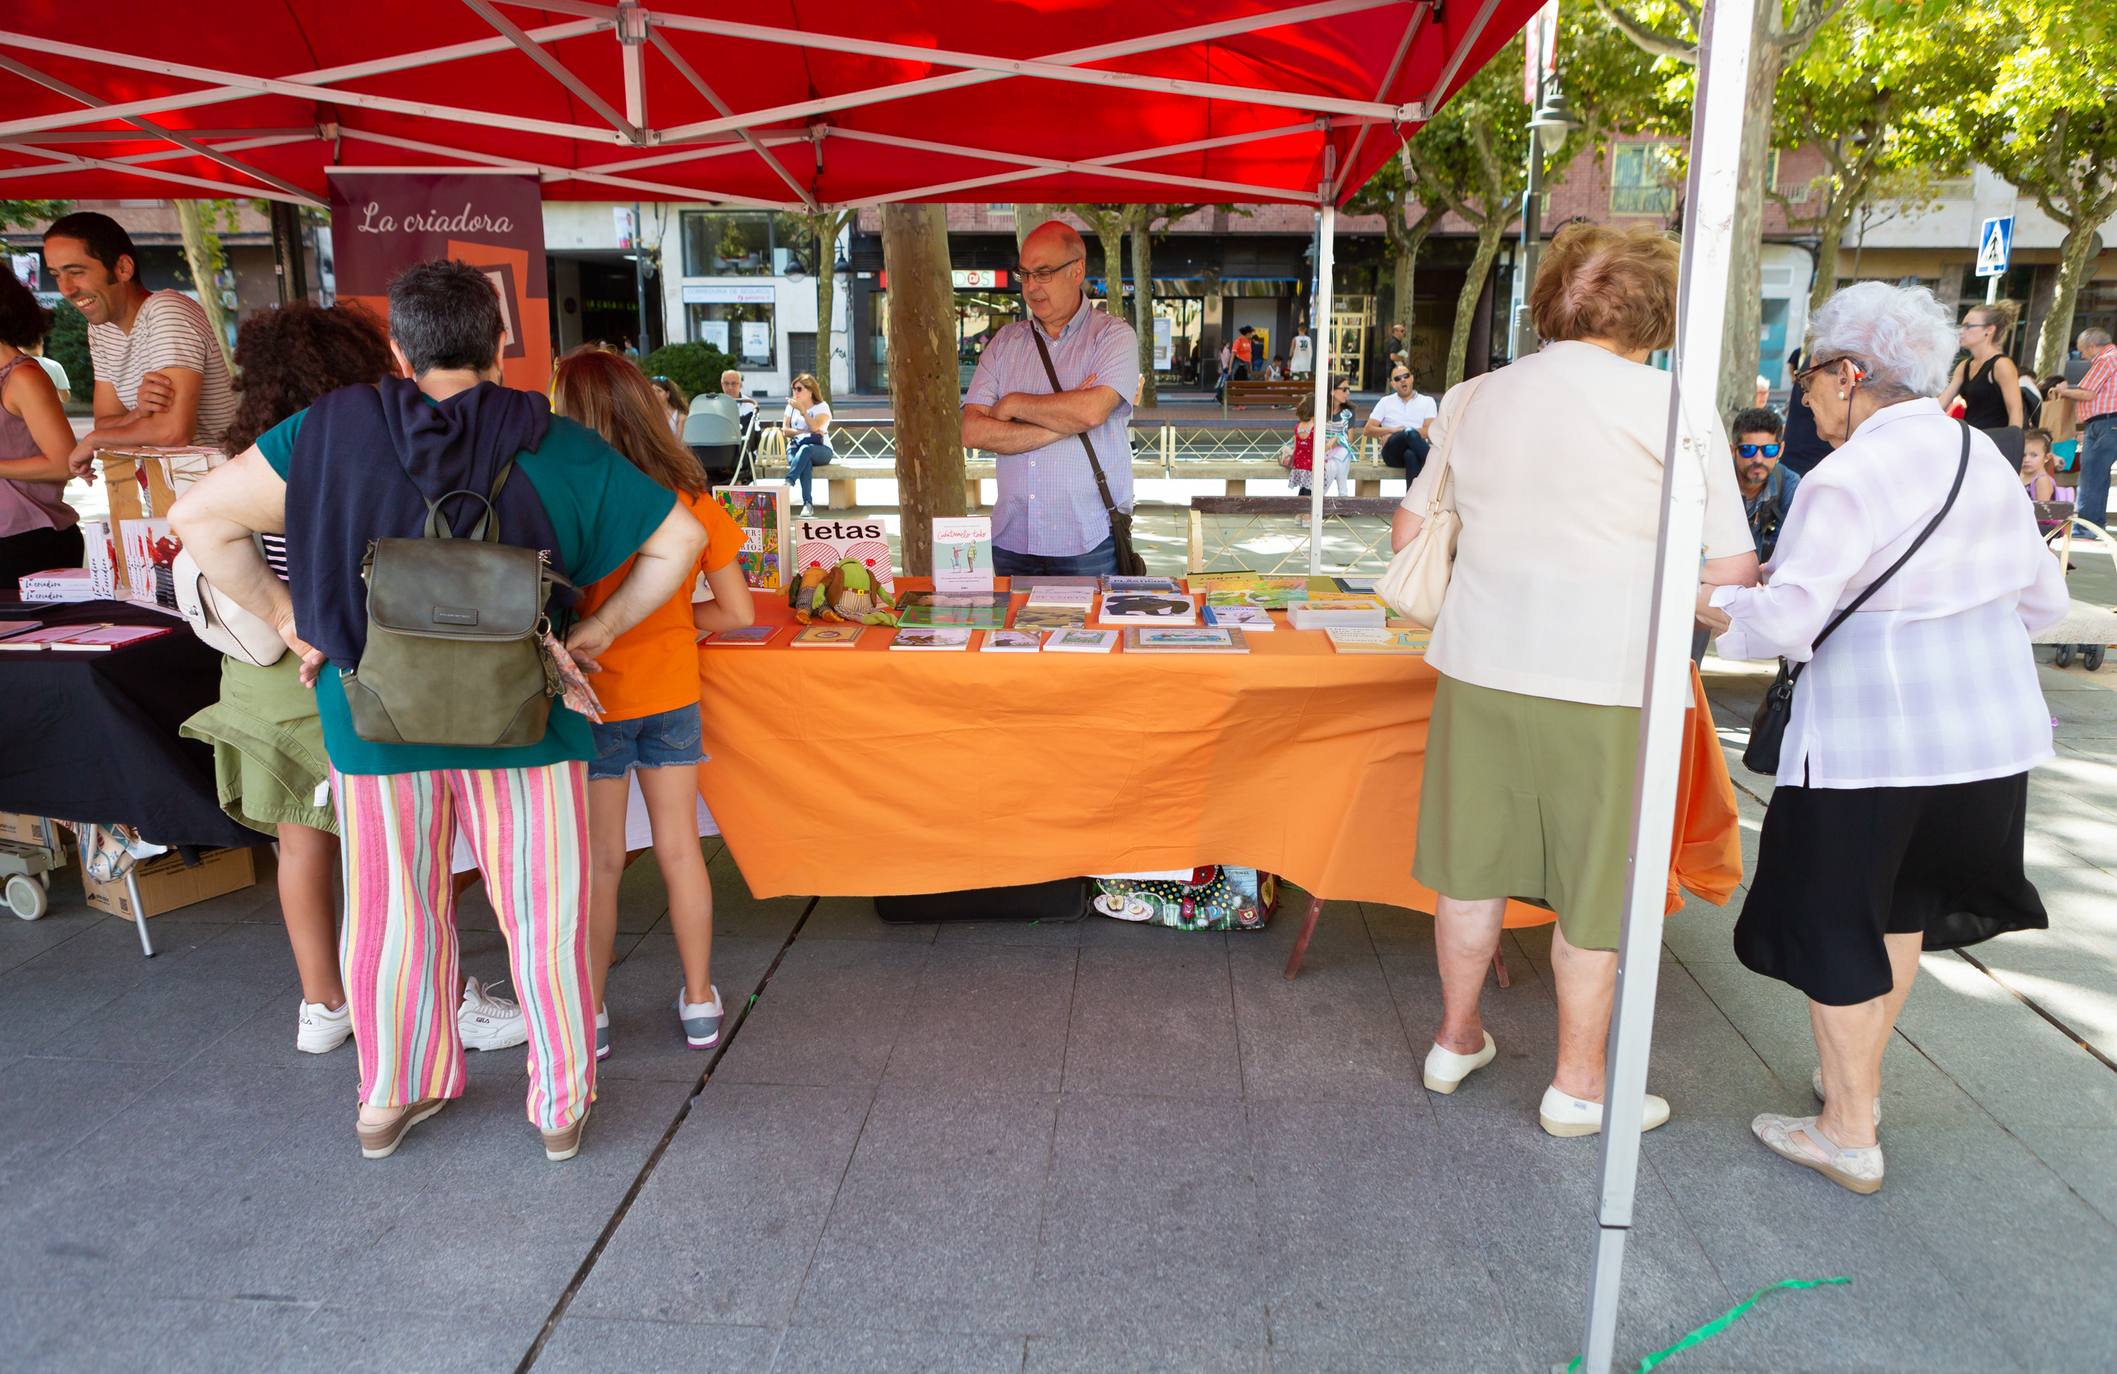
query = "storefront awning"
{"x": 830, "y": 102}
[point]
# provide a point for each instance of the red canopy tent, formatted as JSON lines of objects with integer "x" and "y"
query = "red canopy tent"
{"x": 770, "y": 104}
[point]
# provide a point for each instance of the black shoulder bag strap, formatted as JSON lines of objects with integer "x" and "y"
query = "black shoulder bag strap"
{"x": 1768, "y": 727}
{"x": 1102, "y": 485}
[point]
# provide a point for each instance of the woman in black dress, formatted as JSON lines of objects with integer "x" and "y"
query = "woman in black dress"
{"x": 1987, "y": 380}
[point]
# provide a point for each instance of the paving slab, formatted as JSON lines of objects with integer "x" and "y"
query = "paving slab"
{"x": 1155, "y": 1019}
{"x": 593, "y": 1345}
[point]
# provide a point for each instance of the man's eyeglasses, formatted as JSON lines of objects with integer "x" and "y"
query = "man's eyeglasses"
{"x": 1752, "y": 450}
{"x": 1041, "y": 275}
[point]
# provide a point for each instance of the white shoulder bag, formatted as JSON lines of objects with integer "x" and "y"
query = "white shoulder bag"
{"x": 219, "y": 622}
{"x": 1417, "y": 579}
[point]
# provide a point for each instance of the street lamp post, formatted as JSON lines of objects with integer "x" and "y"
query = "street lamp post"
{"x": 1552, "y": 116}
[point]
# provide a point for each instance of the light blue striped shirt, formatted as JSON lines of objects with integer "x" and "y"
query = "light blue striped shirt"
{"x": 1048, "y": 505}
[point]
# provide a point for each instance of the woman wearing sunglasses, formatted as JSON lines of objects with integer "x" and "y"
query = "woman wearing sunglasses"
{"x": 1903, "y": 781}
{"x": 1767, "y": 488}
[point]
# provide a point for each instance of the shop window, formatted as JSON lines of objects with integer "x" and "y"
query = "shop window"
{"x": 727, "y": 244}
{"x": 745, "y": 332}
{"x": 1640, "y": 179}
{"x": 801, "y": 353}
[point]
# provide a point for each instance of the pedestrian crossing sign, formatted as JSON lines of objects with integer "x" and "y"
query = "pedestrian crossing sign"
{"x": 1995, "y": 244}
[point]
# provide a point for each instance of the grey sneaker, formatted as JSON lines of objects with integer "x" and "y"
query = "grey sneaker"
{"x": 701, "y": 1020}
{"x": 602, "y": 1035}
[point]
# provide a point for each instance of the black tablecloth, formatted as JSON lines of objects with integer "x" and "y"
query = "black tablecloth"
{"x": 93, "y": 736}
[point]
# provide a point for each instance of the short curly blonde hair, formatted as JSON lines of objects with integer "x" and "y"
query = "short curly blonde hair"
{"x": 1599, "y": 282}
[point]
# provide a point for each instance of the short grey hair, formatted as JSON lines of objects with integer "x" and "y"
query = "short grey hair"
{"x": 1902, "y": 336}
{"x": 2093, "y": 338}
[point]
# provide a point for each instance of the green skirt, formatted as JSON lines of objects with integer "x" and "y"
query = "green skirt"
{"x": 268, "y": 755}
{"x": 1530, "y": 798}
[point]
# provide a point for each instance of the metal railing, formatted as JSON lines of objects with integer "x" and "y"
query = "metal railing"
{"x": 861, "y": 443}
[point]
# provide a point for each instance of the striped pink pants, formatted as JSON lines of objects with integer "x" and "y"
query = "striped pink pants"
{"x": 528, "y": 828}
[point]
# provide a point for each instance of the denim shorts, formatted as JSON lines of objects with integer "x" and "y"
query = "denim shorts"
{"x": 664, "y": 740}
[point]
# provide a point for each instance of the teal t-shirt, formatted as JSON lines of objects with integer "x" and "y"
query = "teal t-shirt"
{"x": 602, "y": 509}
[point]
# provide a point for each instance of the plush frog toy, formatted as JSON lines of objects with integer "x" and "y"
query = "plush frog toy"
{"x": 849, "y": 591}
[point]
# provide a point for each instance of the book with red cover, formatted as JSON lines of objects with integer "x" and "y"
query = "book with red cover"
{"x": 103, "y": 638}
{"x": 44, "y": 638}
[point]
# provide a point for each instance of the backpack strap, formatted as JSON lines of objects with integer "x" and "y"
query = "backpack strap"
{"x": 488, "y": 526}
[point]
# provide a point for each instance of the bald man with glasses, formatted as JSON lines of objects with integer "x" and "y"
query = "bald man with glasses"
{"x": 1050, "y": 517}
{"x": 1401, "y": 420}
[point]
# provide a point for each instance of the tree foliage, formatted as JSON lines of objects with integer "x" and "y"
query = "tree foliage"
{"x": 816, "y": 235}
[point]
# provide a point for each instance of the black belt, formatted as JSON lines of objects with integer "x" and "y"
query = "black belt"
{"x": 2095, "y": 420}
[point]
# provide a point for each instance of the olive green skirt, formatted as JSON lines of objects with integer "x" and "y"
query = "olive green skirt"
{"x": 1530, "y": 798}
{"x": 268, "y": 755}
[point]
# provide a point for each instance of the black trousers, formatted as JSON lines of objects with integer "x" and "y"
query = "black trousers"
{"x": 1407, "y": 449}
{"x": 35, "y": 551}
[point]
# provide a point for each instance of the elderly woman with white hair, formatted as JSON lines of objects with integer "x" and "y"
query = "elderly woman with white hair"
{"x": 1897, "y": 821}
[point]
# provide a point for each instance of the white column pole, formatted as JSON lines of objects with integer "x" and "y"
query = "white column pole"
{"x": 1725, "y": 32}
{"x": 1326, "y": 235}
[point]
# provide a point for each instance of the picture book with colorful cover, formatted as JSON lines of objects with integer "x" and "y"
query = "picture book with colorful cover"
{"x": 1050, "y": 618}
{"x": 963, "y": 553}
{"x": 930, "y": 639}
{"x": 1081, "y": 641}
{"x": 1273, "y": 591}
{"x": 1368, "y": 640}
{"x": 748, "y": 637}
{"x": 762, "y": 512}
{"x": 1115, "y": 583}
{"x": 828, "y": 636}
{"x": 1148, "y": 608}
{"x": 1163, "y": 639}
{"x": 1245, "y": 617}
{"x": 969, "y": 610}
{"x": 825, "y": 542}
{"x": 1012, "y": 642}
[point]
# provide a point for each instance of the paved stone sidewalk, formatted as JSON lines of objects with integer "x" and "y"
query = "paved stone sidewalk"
{"x": 1076, "y": 1147}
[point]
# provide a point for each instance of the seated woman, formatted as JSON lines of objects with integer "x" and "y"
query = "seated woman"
{"x": 808, "y": 425}
{"x": 38, "y": 530}
{"x": 1536, "y": 720}
{"x": 1903, "y": 784}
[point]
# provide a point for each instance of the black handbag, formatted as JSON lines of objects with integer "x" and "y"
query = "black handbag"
{"x": 1129, "y": 563}
{"x": 1767, "y": 729}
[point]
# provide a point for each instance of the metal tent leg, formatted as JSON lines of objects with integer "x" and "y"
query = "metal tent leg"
{"x": 139, "y": 909}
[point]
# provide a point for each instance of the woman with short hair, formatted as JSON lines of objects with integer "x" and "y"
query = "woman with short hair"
{"x": 1897, "y": 821}
{"x": 1541, "y": 643}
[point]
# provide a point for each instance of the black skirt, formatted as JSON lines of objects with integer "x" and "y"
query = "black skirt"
{"x": 1838, "y": 868}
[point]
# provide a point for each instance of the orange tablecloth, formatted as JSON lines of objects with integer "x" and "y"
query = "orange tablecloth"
{"x": 863, "y": 771}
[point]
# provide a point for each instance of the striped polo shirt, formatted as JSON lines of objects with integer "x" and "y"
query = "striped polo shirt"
{"x": 170, "y": 331}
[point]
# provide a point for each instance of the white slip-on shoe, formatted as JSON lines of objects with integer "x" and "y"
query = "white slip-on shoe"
{"x": 1856, "y": 1168}
{"x": 1566, "y": 1116}
{"x": 319, "y": 1030}
{"x": 487, "y": 1022}
{"x": 1816, "y": 1082}
{"x": 1446, "y": 1070}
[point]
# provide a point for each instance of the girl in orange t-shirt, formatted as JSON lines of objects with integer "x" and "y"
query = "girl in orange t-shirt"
{"x": 649, "y": 690}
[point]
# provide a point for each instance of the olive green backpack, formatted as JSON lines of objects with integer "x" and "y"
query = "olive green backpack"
{"x": 455, "y": 652}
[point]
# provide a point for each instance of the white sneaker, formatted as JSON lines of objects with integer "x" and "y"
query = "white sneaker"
{"x": 487, "y": 1022}
{"x": 1565, "y": 1116}
{"x": 1446, "y": 1070}
{"x": 321, "y": 1030}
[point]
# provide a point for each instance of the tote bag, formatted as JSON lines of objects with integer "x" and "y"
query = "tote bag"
{"x": 1417, "y": 579}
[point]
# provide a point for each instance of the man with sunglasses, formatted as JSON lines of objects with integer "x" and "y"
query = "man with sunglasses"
{"x": 1049, "y": 517}
{"x": 1401, "y": 420}
{"x": 1767, "y": 488}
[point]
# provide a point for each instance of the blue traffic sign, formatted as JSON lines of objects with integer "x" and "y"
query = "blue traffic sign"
{"x": 1995, "y": 245}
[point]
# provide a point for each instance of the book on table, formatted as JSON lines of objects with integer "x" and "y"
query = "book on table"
{"x": 930, "y": 639}
{"x": 962, "y": 553}
{"x": 1012, "y": 642}
{"x": 1148, "y": 608}
{"x": 1243, "y": 617}
{"x": 99, "y": 637}
{"x": 966, "y": 611}
{"x": 748, "y": 637}
{"x": 1115, "y": 583}
{"x": 1273, "y": 591}
{"x": 1045, "y": 594}
{"x": 1050, "y": 618}
{"x": 1081, "y": 641}
{"x": 1180, "y": 639}
{"x": 1031, "y": 582}
{"x": 825, "y": 542}
{"x": 1362, "y": 613}
{"x": 761, "y": 510}
{"x": 10, "y": 628}
{"x": 1370, "y": 640}
{"x": 828, "y": 636}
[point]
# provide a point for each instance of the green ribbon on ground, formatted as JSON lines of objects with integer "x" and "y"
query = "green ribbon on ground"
{"x": 1722, "y": 1322}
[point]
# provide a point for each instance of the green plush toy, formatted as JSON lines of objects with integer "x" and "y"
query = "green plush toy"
{"x": 849, "y": 592}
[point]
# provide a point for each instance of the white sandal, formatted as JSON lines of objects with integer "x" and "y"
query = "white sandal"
{"x": 1857, "y": 1169}
{"x": 1816, "y": 1082}
{"x": 1446, "y": 1070}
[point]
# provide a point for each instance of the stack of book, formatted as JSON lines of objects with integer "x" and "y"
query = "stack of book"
{"x": 1338, "y": 611}
{"x": 1054, "y": 605}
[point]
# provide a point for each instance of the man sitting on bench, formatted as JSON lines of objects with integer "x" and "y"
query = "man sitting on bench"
{"x": 1401, "y": 419}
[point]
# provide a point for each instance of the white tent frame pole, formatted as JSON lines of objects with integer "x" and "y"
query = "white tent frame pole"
{"x": 876, "y": 95}
{"x": 701, "y": 151}
{"x": 80, "y": 161}
{"x": 1389, "y": 79}
{"x": 581, "y": 90}
{"x": 1326, "y": 236}
{"x": 246, "y": 87}
{"x": 135, "y": 161}
{"x": 552, "y": 172}
{"x": 1029, "y": 166}
{"x": 1725, "y": 35}
{"x": 698, "y": 83}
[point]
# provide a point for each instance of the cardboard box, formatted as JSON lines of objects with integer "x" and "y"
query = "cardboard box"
{"x": 166, "y": 885}
{"x": 143, "y": 485}
{"x": 17, "y": 828}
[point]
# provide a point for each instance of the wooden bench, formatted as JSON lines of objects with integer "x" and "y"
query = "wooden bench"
{"x": 1278, "y": 395}
{"x": 1237, "y": 473}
